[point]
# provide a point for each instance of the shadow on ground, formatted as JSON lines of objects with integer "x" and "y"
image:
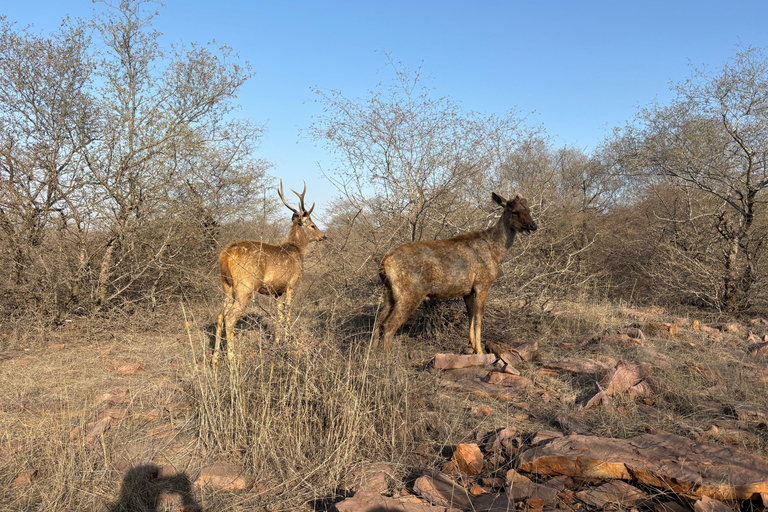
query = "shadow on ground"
{"x": 145, "y": 489}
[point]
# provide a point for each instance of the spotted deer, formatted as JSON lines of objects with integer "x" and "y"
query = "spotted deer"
{"x": 463, "y": 266}
{"x": 251, "y": 266}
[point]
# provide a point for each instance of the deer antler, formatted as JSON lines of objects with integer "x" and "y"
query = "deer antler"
{"x": 301, "y": 201}
{"x": 294, "y": 210}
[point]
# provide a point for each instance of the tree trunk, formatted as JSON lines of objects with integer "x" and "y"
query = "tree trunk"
{"x": 733, "y": 281}
{"x": 106, "y": 272}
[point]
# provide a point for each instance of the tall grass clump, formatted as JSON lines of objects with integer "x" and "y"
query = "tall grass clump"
{"x": 301, "y": 416}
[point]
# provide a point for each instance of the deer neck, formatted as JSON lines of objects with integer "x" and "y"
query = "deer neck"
{"x": 501, "y": 236}
{"x": 296, "y": 237}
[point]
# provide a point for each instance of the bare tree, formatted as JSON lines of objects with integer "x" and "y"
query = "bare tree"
{"x": 119, "y": 160}
{"x": 714, "y": 137}
{"x": 150, "y": 116}
{"x": 404, "y": 154}
{"x": 45, "y": 116}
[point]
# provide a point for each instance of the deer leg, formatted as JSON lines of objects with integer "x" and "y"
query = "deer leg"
{"x": 230, "y": 320}
{"x": 402, "y": 309}
{"x": 471, "y": 303}
{"x": 240, "y": 299}
{"x": 280, "y": 313}
{"x": 219, "y": 327}
{"x": 383, "y": 315}
{"x": 286, "y": 320}
{"x": 480, "y": 299}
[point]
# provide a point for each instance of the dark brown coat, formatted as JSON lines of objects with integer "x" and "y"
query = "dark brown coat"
{"x": 463, "y": 266}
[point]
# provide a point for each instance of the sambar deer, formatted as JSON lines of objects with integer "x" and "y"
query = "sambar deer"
{"x": 463, "y": 266}
{"x": 252, "y": 266}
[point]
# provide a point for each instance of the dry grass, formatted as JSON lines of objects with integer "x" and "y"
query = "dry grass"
{"x": 299, "y": 416}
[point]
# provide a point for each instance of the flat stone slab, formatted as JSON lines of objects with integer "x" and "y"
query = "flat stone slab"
{"x": 472, "y": 380}
{"x": 616, "y": 494}
{"x": 454, "y": 361}
{"x": 374, "y": 502}
{"x": 666, "y": 461}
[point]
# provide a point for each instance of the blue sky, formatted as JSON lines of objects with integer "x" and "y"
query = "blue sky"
{"x": 582, "y": 67}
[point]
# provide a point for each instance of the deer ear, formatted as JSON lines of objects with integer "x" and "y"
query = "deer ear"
{"x": 297, "y": 219}
{"x": 498, "y": 199}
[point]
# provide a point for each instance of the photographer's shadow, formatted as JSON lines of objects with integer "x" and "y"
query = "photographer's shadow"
{"x": 145, "y": 489}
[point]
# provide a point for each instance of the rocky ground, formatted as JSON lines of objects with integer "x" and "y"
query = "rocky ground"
{"x": 127, "y": 408}
{"x": 566, "y": 468}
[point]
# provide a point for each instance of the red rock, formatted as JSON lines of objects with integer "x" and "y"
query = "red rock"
{"x": 497, "y": 440}
{"x": 626, "y": 376}
{"x": 98, "y": 427}
{"x": 670, "y": 506}
{"x": 664, "y": 460}
{"x": 116, "y": 397}
{"x": 476, "y": 490}
{"x": 130, "y": 368}
{"x": 25, "y": 478}
{"x": 114, "y": 413}
{"x": 454, "y": 361}
{"x": 451, "y": 468}
{"x": 507, "y": 380}
{"x": 521, "y": 487}
{"x": 441, "y": 491}
{"x": 92, "y": 442}
{"x": 468, "y": 458}
{"x": 515, "y": 354}
{"x": 374, "y": 502}
{"x": 482, "y": 411}
{"x": 750, "y": 414}
{"x": 706, "y": 504}
{"x": 545, "y": 435}
{"x": 616, "y": 494}
{"x": 367, "y": 478}
{"x": 503, "y": 366}
{"x": 490, "y": 502}
{"x": 758, "y": 349}
{"x": 470, "y": 380}
{"x": 221, "y": 475}
{"x": 75, "y": 433}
